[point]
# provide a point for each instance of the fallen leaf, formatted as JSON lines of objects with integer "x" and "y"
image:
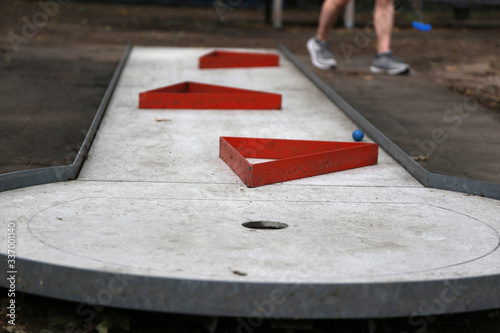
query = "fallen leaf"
{"x": 162, "y": 119}
{"x": 420, "y": 157}
{"x": 239, "y": 273}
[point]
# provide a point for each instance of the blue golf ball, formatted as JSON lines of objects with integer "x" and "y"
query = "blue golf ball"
{"x": 358, "y": 135}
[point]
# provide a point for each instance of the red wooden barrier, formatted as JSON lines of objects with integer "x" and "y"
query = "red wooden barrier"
{"x": 293, "y": 159}
{"x": 193, "y": 95}
{"x": 231, "y": 59}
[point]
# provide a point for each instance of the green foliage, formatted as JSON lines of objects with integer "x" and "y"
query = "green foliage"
{"x": 112, "y": 319}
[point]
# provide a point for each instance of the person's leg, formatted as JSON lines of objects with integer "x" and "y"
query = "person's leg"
{"x": 321, "y": 55}
{"x": 383, "y": 20}
{"x": 329, "y": 14}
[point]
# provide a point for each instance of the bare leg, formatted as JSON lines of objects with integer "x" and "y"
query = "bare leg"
{"x": 383, "y": 18}
{"x": 329, "y": 14}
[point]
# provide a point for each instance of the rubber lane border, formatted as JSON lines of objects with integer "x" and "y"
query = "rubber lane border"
{"x": 426, "y": 178}
{"x": 19, "y": 179}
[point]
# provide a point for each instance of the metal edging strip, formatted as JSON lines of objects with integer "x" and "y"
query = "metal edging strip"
{"x": 426, "y": 178}
{"x": 19, "y": 179}
{"x": 242, "y": 299}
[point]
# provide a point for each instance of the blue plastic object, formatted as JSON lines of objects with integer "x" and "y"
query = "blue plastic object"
{"x": 422, "y": 26}
{"x": 358, "y": 135}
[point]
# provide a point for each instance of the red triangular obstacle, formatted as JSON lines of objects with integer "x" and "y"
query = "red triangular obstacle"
{"x": 293, "y": 159}
{"x": 231, "y": 59}
{"x": 193, "y": 95}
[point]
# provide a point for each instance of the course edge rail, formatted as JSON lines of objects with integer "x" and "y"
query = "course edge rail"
{"x": 25, "y": 178}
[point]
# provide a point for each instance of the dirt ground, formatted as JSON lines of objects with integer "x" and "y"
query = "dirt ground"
{"x": 55, "y": 64}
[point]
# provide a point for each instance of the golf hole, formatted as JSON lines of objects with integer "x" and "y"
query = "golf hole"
{"x": 265, "y": 225}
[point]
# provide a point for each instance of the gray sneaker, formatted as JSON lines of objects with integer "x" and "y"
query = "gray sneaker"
{"x": 321, "y": 55}
{"x": 388, "y": 63}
